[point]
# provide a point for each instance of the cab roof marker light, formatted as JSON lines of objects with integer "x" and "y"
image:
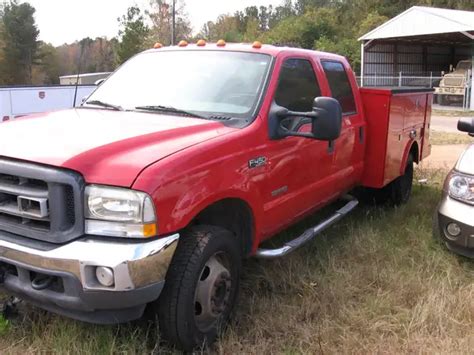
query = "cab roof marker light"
{"x": 158, "y": 45}
{"x": 220, "y": 43}
{"x": 201, "y": 43}
{"x": 257, "y": 45}
{"x": 182, "y": 43}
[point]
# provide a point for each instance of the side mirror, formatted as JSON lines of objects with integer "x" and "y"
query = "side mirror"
{"x": 327, "y": 125}
{"x": 466, "y": 125}
{"x": 326, "y": 120}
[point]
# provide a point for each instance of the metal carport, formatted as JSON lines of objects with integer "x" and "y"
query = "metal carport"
{"x": 416, "y": 46}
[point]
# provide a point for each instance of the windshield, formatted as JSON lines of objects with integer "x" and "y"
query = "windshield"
{"x": 205, "y": 82}
{"x": 464, "y": 65}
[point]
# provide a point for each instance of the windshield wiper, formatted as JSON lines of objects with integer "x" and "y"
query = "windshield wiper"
{"x": 161, "y": 108}
{"x": 104, "y": 104}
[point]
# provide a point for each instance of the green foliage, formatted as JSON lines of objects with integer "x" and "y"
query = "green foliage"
{"x": 226, "y": 27}
{"x": 133, "y": 34}
{"x": 373, "y": 20}
{"x": 48, "y": 69}
{"x": 19, "y": 36}
{"x": 303, "y": 31}
{"x": 344, "y": 46}
{"x": 327, "y": 25}
{"x": 4, "y": 324}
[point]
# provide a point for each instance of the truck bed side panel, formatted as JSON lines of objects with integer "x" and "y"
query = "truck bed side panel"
{"x": 396, "y": 120}
{"x": 376, "y": 109}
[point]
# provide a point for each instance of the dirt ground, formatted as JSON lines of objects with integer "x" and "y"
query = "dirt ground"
{"x": 446, "y": 123}
{"x": 443, "y": 156}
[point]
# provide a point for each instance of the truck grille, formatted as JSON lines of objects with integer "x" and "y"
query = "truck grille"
{"x": 40, "y": 202}
{"x": 453, "y": 81}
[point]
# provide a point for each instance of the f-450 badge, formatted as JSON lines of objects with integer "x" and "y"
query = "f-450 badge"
{"x": 255, "y": 163}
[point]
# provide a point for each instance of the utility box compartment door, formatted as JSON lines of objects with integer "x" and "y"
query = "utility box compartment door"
{"x": 396, "y": 118}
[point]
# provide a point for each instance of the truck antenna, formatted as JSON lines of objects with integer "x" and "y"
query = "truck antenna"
{"x": 79, "y": 65}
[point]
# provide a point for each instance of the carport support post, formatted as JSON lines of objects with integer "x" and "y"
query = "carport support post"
{"x": 472, "y": 80}
{"x": 362, "y": 50}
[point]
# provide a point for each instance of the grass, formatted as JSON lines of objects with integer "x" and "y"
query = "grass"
{"x": 375, "y": 283}
{"x": 442, "y": 138}
{"x": 453, "y": 113}
{"x": 3, "y": 325}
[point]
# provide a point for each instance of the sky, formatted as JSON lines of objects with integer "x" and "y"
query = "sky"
{"x": 65, "y": 21}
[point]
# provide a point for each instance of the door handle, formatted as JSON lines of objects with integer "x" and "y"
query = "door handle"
{"x": 361, "y": 135}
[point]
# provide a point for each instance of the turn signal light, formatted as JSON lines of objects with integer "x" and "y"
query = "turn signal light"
{"x": 149, "y": 230}
{"x": 220, "y": 43}
{"x": 157, "y": 45}
{"x": 257, "y": 45}
{"x": 201, "y": 43}
{"x": 182, "y": 43}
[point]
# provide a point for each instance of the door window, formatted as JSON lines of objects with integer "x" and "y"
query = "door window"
{"x": 340, "y": 86}
{"x": 296, "y": 91}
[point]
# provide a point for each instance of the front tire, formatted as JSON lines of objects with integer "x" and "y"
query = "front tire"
{"x": 201, "y": 287}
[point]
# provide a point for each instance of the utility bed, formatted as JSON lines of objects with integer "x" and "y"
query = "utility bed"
{"x": 395, "y": 116}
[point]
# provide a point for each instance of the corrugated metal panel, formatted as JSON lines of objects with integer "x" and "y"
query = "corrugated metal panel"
{"x": 407, "y": 48}
{"x": 438, "y": 50}
{"x": 464, "y": 51}
{"x": 382, "y": 67}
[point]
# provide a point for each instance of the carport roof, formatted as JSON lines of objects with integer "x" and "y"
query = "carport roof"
{"x": 419, "y": 21}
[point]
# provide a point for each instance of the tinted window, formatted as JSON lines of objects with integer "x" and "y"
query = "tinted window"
{"x": 297, "y": 86}
{"x": 340, "y": 87}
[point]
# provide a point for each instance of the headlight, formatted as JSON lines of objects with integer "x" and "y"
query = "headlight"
{"x": 119, "y": 212}
{"x": 461, "y": 187}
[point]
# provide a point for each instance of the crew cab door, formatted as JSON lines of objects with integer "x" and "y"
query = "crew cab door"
{"x": 299, "y": 169}
{"x": 349, "y": 147}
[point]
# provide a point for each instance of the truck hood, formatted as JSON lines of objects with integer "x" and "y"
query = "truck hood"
{"x": 465, "y": 163}
{"x": 106, "y": 147}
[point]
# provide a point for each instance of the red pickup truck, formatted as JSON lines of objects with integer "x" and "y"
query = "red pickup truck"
{"x": 181, "y": 164}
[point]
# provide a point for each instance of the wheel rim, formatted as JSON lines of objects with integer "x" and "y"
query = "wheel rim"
{"x": 213, "y": 291}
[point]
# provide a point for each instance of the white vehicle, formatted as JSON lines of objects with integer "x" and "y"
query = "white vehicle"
{"x": 452, "y": 87}
{"x": 21, "y": 101}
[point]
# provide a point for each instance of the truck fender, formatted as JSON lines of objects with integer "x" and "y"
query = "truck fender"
{"x": 245, "y": 197}
{"x": 412, "y": 146}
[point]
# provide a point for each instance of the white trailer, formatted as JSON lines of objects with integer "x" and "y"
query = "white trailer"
{"x": 20, "y": 101}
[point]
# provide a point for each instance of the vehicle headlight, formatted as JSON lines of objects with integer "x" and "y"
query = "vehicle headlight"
{"x": 119, "y": 212}
{"x": 461, "y": 187}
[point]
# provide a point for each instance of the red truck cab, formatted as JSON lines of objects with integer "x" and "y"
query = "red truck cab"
{"x": 182, "y": 163}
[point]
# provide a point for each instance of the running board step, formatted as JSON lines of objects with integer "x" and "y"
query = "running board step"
{"x": 309, "y": 234}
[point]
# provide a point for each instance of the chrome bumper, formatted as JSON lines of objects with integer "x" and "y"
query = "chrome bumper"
{"x": 135, "y": 265}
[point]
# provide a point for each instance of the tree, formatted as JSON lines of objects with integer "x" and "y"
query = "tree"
{"x": 47, "y": 70}
{"x": 19, "y": 37}
{"x": 371, "y": 21}
{"x": 160, "y": 14}
{"x": 2, "y": 45}
{"x": 226, "y": 27}
{"x": 303, "y": 31}
{"x": 133, "y": 34}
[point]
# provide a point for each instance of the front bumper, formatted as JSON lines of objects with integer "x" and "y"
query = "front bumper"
{"x": 453, "y": 211}
{"x": 446, "y": 90}
{"x": 139, "y": 270}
